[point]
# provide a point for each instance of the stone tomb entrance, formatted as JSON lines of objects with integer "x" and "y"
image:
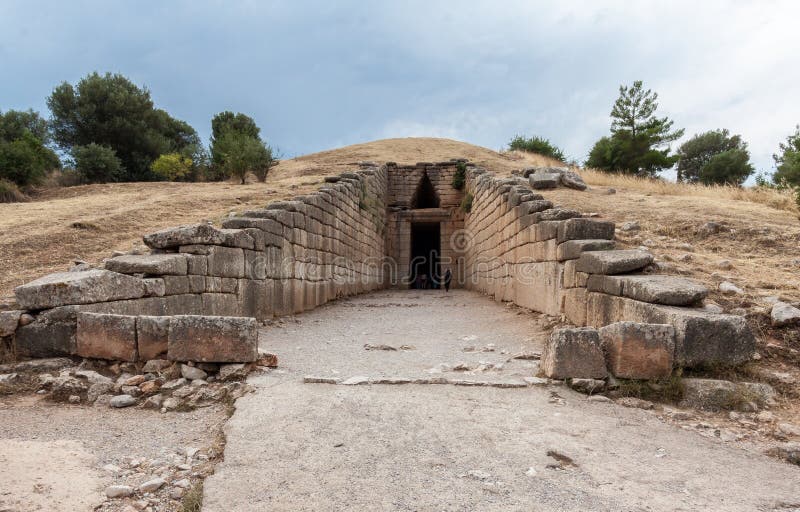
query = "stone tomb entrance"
{"x": 424, "y": 215}
{"x": 425, "y": 250}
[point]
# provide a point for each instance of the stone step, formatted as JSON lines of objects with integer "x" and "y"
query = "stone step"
{"x": 655, "y": 289}
{"x": 153, "y": 264}
{"x": 613, "y": 262}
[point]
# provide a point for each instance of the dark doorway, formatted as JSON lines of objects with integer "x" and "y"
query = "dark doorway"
{"x": 425, "y": 195}
{"x": 425, "y": 247}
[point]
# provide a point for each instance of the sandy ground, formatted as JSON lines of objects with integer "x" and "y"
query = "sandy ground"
{"x": 296, "y": 446}
{"x": 52, "y": 455}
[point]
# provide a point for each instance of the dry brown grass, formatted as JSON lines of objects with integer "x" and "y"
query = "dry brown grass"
{"x": 778, "y": 199}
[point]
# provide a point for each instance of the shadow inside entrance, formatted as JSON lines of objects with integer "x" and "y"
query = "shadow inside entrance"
{"x": 425, "y": 248}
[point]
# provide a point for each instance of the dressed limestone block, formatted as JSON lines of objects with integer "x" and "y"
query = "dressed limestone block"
{"x": 574, "y": 300}
{"x": 556, "y": 214}
{"x": 264, "y": 220}
{"x": 153, "y": 264}
{"x": 187, "y": 304}
{"x": 226, "y": 262}
{"x": 216, "y": 339}
{"x": 84, "y": 287}
{"x": 198, "y": 234}
{"x": 152, "y": 336}
{"x": 44, "y": 338}
{"x": 572, "y": 249}
{"x": 639, "y": 350}
{"x": 657, "y": 289}
{"x": 573, "y": 354}
{"x": 585, "y": 229}
{"x": 219, "y": 304}
{"x": 613, "y": 262}
{"x": 104, "y": 336}
{"x": 257, "y": 298}
{"x": 538, "y": 287}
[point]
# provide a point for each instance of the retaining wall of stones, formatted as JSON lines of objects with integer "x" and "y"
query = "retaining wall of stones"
{"x": 526, "y": 250}
{"x": 289, "y": 257}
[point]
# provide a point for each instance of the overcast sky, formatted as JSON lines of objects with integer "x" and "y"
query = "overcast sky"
{"x": 318, "y": 75}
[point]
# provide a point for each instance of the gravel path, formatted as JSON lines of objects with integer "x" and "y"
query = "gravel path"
{"x": 296, "y": 446}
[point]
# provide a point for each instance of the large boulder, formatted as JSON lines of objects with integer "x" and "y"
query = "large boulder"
{"x": 716, "y": 395}
{"x": 213, "y": 339}
{"x": 87, "y": 287}
{"x": 638, "y": 351}
{"x": 573, "y": 353}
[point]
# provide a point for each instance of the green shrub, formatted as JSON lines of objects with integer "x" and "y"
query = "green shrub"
{"x": 460, "y": 177}
{"x": 172, "y": 167}
{"x": 97, "y": 164}
{"x": 25, "y": 161}
{"x": 10, "y": 193}
{"x": 466, "y": 203}
{"x": 538, "y": 145}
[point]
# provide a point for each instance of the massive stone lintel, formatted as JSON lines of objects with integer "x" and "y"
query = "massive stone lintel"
{"x": 198, "y": 234}
{"x": 155, "y": 264}
{"x": 613, "y": 262}
{"x": 656, "y": 289}
{"x": 213, "y": 339}
{"x": 85, "y": 287}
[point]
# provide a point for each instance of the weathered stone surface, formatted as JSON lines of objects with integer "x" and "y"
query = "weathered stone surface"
{"x": 155, "y": 264}
{"x": 783, "y": 314}
{"x": 213, "y": 339}
{"x": 45, "y": 339}
{"x": 9, "y": 320}
{"x": 105, "y": 336}
{"x": 701, "y": 338}
{"x": 613, "y": 262}
{"x": 573, "y": 353}
{"x": 154, "y": 287}
{"x": 656, "y": 289}
{"x": 715, "y": 395}
{"x": 198, "y": 234}
{"x": 585, "y": 229}
{"x": 87, "y": 287}
{"x": 37, "y": 365}
{"x": 572, "y": 179}
{"x": 587, "y": 386}
{"x": 152, "y": 336}
{"x": 729, "y": 288}
{"x": 192, "y": 372}
{"x": 638, "y": 351}
{"x": 544, "y": 181}
{"x": 572, "y": 249}
{"x": 226, "y": 262}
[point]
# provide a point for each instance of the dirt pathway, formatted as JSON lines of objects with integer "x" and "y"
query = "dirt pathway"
{"x": 302, "y": 446}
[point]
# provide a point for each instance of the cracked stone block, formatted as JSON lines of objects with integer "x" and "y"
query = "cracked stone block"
{"x": 637, "y": 350}
{"x": 104, "y": 336}
{"x": 86, "y": 287}
{"x": 154, "y": 264}
{"x": 574, "y": 353}
{"x": 613, "y": 262}
{"x": 213, "y": 339}
{"x": 198, "y": 234}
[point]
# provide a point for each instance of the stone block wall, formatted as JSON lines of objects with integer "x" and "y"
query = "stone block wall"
{"x": 524, "y": 249}
{"x": 288, "y": 257}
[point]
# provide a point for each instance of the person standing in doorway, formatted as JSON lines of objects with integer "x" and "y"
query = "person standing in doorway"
{"x": 448, "y": 276}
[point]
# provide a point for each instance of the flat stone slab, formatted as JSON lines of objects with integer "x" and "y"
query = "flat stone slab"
{"x": 585, "y": 229}
{"x": 613, "y": 262}
{"x": 198, "y": 234}
{"x": 155, "y": 264}
{"x": 87, "y": 287}
{"x": 655, "y": 289}
{"x": 572, "y": 249}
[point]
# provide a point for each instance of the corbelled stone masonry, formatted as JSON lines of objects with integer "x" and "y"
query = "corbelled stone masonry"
{"x": 526, "y": 250}
{"x": 353, "y": 235}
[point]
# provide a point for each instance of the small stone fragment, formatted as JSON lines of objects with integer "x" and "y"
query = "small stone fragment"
{"x": 119, "y": 491}
{"x": 120, "y": 401}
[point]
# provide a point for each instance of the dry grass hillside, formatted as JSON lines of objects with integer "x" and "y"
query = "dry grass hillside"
{"x": 89, "y": 222}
